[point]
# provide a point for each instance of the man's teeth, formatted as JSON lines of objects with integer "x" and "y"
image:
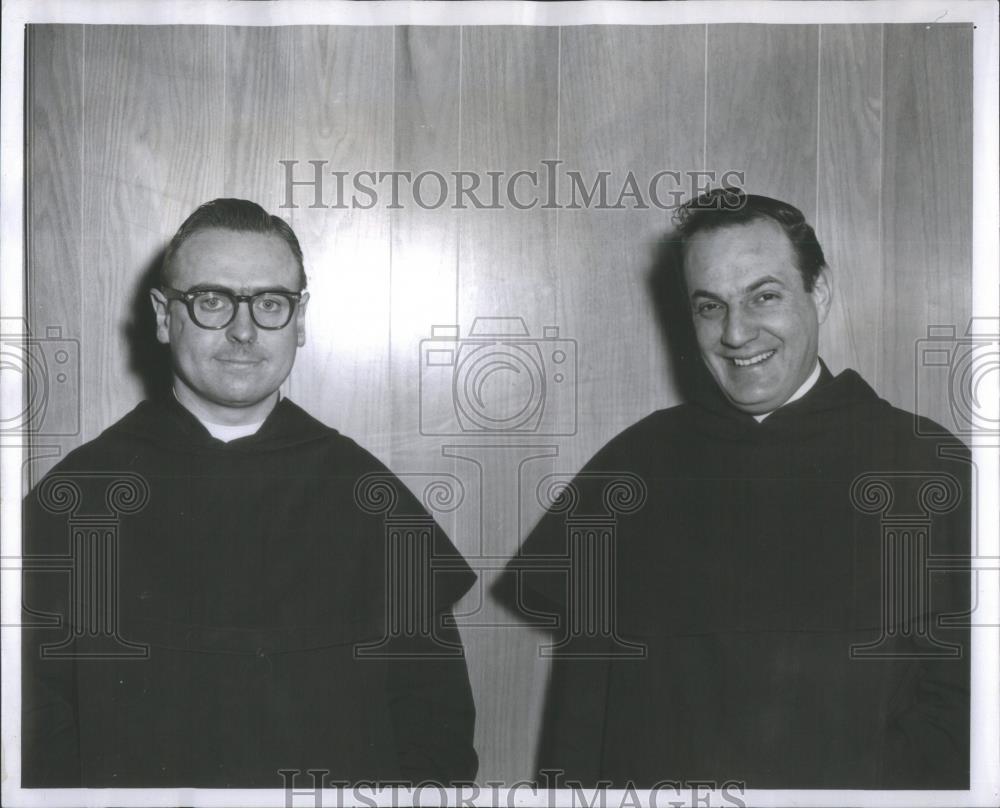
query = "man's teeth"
{"x": 753, "y": 360}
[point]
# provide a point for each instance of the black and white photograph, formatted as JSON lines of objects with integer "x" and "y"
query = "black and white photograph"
{"x": 505, "y": 403}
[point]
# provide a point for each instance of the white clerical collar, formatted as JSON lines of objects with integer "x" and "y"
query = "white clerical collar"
{"x": 804, "y": 388}
{"x": 225, "y": 432}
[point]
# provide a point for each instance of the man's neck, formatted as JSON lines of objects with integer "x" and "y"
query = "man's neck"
{"x": 224, "y": 416}
{"x": 804, "y": 388}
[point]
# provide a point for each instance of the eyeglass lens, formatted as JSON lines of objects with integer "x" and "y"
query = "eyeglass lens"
{"x": 215, "y": 309}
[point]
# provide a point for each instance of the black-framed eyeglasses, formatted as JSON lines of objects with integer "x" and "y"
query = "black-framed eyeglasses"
{"x": 213, "y": 309}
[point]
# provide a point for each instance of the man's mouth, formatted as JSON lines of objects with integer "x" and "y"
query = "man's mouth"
{"x": 748, "y": 361}
{"x": 238, "y": 360}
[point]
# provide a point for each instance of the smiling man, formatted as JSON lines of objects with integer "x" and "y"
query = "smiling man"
{"x": 770, "y": 617}
{"x": 243, "y": 622}
{"x": 756, "y": 314}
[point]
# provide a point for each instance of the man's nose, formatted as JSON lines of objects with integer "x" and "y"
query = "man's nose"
{"x": 738, "y": 329}
{"x": 242, "y": 328}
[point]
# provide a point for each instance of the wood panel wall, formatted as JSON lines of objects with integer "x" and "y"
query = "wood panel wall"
{"x": 867, "y": 128}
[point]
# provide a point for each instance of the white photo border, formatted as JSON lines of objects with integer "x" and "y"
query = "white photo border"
{"x": 985, "y": 760}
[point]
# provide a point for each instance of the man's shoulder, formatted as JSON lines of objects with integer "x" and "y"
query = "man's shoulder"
{"x": 103, "y": 467}
{"x": 667, "y": 423}
{"x": 655, "y": 433}
{"x": 923, "y": 428}
{"x": 901, "y": 430}
{"x": 298, "y": 425}
{"x": 915, "y": 444}
{"x": 110, "y": 448}
{"x": 154, "y": 429}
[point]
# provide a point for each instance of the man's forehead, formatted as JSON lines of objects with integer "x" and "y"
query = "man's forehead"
{"x": 235, "y": 260}
{"x": 757, "y": 237}
{"x": 741, "y": 254}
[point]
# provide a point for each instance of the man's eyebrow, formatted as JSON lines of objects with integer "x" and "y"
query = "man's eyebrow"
{"x": 209, "y": 287}
{"x": 762, "y": 282}
{"x": 218, "y": 287}
{"x": 746, "y": 291}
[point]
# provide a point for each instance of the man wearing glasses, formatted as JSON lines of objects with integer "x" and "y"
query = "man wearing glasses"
{"x": 251, "y": 632}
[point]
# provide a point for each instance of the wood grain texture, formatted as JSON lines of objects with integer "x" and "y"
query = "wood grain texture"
{"x": 926, "y": 203}
{"x": 424, "y": 294}
{"x": 54, "y": 117}
{"x": 424, "y": 284}
{"x": 342, "y": 114}
{"x": 762, "y": 91}
{"x": 259, "y": 106}
{"x": 849, "y": 193}
{"x": 509, "y": 106}
{"x": 131, "y": 128}
{"x": 152, "y": 149}
{"x": 606, "y": 256}
{"x": 507, "y": 268}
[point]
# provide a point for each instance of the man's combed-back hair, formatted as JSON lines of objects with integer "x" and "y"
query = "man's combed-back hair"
{"x": 725, "y": 207}
{"x": 239, "y": 215}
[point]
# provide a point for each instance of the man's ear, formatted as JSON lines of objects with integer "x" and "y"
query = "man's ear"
{"x": 161, "y": 308}
{"x": 822, "y": 293}
{"x": 300, "y": 320}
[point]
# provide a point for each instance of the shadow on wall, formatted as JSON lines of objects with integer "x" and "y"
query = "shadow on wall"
{"x": 149, "y": 359}
{"x": 665, "y": 284}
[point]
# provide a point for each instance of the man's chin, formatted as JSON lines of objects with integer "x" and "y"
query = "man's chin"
{"x": 244, "y": 402}
{"x": 239, "y": 398}
{"x": 751, "y": 404}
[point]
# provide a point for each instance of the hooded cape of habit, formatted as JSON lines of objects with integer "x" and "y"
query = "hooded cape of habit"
{"x": 255, "y": 574}
{"x": 741, "y": 584}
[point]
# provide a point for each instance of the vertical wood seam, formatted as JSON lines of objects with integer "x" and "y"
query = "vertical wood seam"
{"x": 225, "y": 101}
{"x": 27, "y": 260}
{"x": 392, "y": 216}
{"x": 881, "y": 194}
{"x": 81, "y": 372}
{"x": 704, "y": 131}
{"x": 458, "y": 215}
{"x": 289, "y": 382}
{"x": 555, "y": 297}
{"x": 819, "y": 108}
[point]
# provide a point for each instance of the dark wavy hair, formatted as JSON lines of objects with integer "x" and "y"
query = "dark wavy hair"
{"x": 239, "y": 215}
{"x": 725, "y": 207}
